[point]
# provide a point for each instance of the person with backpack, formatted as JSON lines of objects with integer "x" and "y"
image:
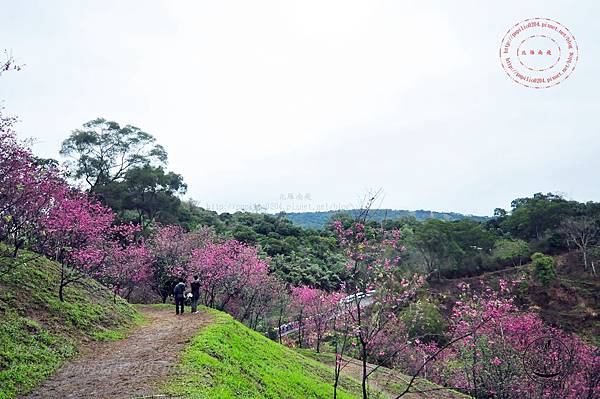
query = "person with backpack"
{"x": 179, "y": 294}
{"x": 195, "y": 294}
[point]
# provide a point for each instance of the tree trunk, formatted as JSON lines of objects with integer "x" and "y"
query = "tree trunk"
{"x": 335, "y": 384}
{"x": 338, "y": 370}
{"x": 300, "y": 331}
{"x": 61, "y": 295}
{"x": 129, "y": 292}
{"x": 256, "y": 320}
{"x": 279, "y": 323}
{"x": 365, "y": 393}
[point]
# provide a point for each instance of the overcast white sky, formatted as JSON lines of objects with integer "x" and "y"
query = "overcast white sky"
{"x": 254, "y": 99}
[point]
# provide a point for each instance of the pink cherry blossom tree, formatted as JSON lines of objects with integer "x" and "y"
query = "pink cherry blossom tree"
{"x": 314, "y": 310}
{"x": 378, "y": 292}
{"x": 487, "y": 347}
{"x": 128, "y": 261}
{"x": 74, "y": 230}
{"x": 227, "y": 269}
{"x": 171, "y": 248}
{"x": 28, "y": 191}
{"x": 257, "y": 300}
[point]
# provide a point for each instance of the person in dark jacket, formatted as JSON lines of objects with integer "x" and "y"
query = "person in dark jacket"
{"x": 195, "y": 294}
{"x": 179, "y": 294}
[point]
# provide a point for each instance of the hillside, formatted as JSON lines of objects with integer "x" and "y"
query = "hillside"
{"x": 572, "y": 302}
{"x": 228, "y": 360}
{"x": 38, "y": 332}
{"x": 318, "y": 220}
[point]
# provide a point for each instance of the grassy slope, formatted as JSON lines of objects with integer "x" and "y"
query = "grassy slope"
{"x": 38, "y": 332}
{"x": 391, "y": 382}
{"x": 228, "y": 360}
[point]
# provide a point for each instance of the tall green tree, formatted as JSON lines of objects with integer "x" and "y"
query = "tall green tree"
{"x": 147, "y": 194}
{"x": 434, "y": 240}
{"x": 102, "y": 152}
{"x": 536, "y": 217}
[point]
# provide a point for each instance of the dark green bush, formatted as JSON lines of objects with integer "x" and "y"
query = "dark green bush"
{"x": 543, "y": 268}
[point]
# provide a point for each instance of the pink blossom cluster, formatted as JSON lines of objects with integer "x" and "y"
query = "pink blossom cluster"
{"x": 314, "y": 311}
{"x": 232, "y": 274}
{"x": 28, "y": 190}
{"x": 491, "y": 359}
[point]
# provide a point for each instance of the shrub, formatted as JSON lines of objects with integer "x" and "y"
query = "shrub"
{"x": 423, "y": 320}
{"x": 510, "y": 252}
{"x": 543, "y": 268}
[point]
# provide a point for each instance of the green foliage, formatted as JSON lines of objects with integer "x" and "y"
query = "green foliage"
{"x": 433, "y": 238}
{"x": 300, "y": 256}
{"x": 450, "y": 244}
{"x": 424, "y": 321}
{"x": 38, "y": 332}
{"x": 191, "y": 216}
{"x": 537, "y": 219}
{"x": 310, "y": 270}
{"x": 123, "y": 167}
{"x": 228, "y": 360}
{"x": 102, "y": 151}
{"x": 146, "y": 194}
{"x": 107, "y": 335}
{"x": 245, "y": 234}
{"x": 511, "y": 251}
{"x": 543, "y": 268}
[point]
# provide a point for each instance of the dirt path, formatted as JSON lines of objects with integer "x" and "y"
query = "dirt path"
{"x": 127, "y": 368}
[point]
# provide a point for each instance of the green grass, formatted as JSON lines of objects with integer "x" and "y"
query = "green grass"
{"x": 391, "y": 381}
{"x": 107, "y": 335}
{"x": 38, "y": 332}
{"x": 228, "y": 360}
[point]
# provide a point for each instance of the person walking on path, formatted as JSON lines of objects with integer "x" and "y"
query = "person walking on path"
{"x": 179, "y": 292}
{"x": 195, "y": 294}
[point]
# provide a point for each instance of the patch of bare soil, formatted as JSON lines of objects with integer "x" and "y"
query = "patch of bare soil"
{"x": 127, "y": 368}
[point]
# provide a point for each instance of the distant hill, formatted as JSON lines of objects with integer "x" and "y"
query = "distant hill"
{"x": 318, "y": 220}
